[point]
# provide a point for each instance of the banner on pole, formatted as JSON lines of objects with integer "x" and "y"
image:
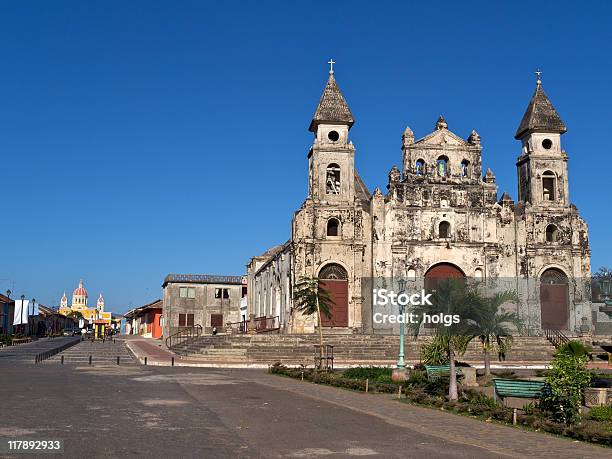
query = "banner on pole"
{"x": 21, "y": 312}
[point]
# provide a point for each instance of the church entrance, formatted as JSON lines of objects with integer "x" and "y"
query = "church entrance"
{"x": 554, "y": 300}
{"x": 441, "y": 272}
{"x": 334, "y": 279}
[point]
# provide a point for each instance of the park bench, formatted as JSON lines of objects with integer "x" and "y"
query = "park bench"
{"x": 16, "y": 341}
{"x": 520, "y": 388}
{"x": 435, "y": 372}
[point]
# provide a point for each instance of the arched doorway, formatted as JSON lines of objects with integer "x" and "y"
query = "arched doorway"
{"x": 334, "y": 279}
{"x": 441, "y": 272}
{"x": 554, "y": 299}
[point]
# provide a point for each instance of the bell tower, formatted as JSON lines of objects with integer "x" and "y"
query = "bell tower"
{"x": 331, "y": 160}
{"x": 542, "y": 165}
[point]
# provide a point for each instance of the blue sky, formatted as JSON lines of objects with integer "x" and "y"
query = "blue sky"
{"x": 140, "y": 138}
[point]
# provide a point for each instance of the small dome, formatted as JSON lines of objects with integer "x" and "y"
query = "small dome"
{"x": 80, "y": 290}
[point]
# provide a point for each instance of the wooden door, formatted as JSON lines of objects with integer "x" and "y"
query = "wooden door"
{"x": 338, "y": 290}
{"x": 554, "y": 306}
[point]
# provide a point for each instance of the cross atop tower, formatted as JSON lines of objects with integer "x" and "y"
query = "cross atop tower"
{"x": 538, "y": 76}
{"x": 331, "y": 66}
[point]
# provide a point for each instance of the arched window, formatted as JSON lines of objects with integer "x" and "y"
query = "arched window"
{"x": 442, "y": 166}
{"x": 333, "y": 227}
{"x": 444, "y": 230}
{"x": 333, "y": 271}
{"x": 552, "y": 233}
{"x": 332, "y": 181}
{"x": 419, "y": 167}
{"x": 465, "y": 168}
{"x": 548, "y": 186}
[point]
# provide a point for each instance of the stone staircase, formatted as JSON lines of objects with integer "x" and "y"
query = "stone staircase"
{"x": 26, "y": 353}
{"x": 102, "y": 353}
{"x": 349, "y": 349}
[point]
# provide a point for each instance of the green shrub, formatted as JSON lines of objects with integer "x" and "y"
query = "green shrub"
{"x": 575, "y": 349}
{"x": 434, "y": 352}
{"x": 417, "y": 378}
{"x": 601, "y": 413}
{"x": 565, "y": 382}
{"x": 371, "y": 373}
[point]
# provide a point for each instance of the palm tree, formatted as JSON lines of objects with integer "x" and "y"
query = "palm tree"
{"x": 492, "y": 326}
{"x": 450, "y": 298}
{"x": 310, "y": 298}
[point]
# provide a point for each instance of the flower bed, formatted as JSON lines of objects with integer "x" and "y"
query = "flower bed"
{"x": 596, "y": 427}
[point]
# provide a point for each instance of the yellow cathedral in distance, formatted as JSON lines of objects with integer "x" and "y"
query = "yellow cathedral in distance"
{"x": 79, "y": 303}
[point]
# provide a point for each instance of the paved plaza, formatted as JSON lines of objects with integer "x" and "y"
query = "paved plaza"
{"x": 145, "y": 411}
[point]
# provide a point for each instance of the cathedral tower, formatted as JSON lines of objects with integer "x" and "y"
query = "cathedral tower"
{"x": 332, "y": 156}
{"x": 542, "y": 165}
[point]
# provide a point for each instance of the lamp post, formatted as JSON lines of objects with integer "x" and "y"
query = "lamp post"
{"x": 9, "y": 320}
{"x": 21, "y": 312}
{"x": 604, "y": 285}
{"x": 399, "y": 373}
{"x": 32, "y": 329}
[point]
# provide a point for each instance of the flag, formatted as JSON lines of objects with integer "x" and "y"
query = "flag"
{"x": 35, "y": 311}
{"x": 21, "y": 312}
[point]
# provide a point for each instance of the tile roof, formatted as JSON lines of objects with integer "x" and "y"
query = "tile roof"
{"x": 332, "y": 107}
{"x": 540, "y": 115}
{"x": 201, "y": 279}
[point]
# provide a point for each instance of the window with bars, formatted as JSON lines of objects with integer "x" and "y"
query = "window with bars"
{"x": 222, "y": 293}
{"x": 187, "y": 292}
{"x": 186, "y": 320}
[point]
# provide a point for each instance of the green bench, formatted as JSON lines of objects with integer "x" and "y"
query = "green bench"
{"x": 521, "y": 388}
{"x": 435, "y": 372}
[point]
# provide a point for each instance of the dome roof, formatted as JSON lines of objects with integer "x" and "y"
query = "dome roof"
{"x": 80, "y": 290}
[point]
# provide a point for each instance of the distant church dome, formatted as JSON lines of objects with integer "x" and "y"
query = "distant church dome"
{"x": 80, "y": 290}
{"x": 79, "y": 297}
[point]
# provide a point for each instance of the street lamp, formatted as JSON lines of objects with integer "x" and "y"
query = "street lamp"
{"x": 32, "y": 329}
{"x": 604, "y": 285}
{"x": 400, "y": 361}
{"x": 21, "y": 312}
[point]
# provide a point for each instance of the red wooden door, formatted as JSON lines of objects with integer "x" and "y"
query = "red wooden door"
{"x": 440, "y": 273}
{"x": 338, "y": 290}
{"x": 554, "y": 306}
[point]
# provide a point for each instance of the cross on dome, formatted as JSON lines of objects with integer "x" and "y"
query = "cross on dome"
{"x": 538, "y": 76}
{"x": 331, "y": 63}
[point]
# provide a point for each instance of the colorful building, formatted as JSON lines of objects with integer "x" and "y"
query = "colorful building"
{"x": 79, "y": 304}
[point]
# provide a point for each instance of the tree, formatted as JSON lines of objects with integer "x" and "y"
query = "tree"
{"x": 492, "y": 326}
{"x": 75, "y": 314}
{"x": 566, "y": 381}
{"x": 451, "y": 298}
{"x": 310, "y": 298}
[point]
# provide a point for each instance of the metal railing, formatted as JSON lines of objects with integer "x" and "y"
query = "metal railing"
{"x": 267, "y": 324}
{"x": 51, "y": 352}
{"x": 263, "y": 324}
{"x": 184, "y": 335}
{"x": 556, "y": 337}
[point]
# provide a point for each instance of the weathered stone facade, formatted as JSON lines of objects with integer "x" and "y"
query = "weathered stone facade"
{"x": 440, "y": 210}
{"x": 206, "y": 300}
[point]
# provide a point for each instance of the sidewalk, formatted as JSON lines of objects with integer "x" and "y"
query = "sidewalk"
{"x": 145, "y": 348}
{"x": 496, "y": 439}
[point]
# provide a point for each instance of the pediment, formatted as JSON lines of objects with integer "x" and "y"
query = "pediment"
{"x": 442, "y": 137}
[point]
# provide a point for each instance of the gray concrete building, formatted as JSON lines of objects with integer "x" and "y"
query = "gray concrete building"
{"x": 201, "y": 299}
{"x": 441, "y": 216}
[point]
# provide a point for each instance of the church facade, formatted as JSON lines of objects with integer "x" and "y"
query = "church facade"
{"x": 79, "y": 303}
{"x": 441, "y": 216}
